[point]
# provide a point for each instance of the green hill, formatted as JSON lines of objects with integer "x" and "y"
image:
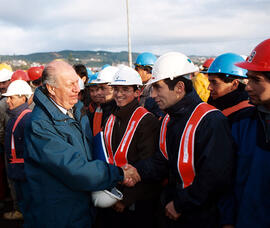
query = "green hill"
{"x": 89, "y": 58}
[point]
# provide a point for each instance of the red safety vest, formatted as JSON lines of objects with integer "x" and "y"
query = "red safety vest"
{"x": 185, "y": 161}
{"x": 97, "y": 120}
{"x": 120, "y": 156}
{"x": 14, "y": 158}
{"x": 235, "y": 108}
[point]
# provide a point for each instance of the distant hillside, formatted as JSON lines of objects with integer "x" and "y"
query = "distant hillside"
{"x": 94, "y": 59}
{"x": 89, "y": 58}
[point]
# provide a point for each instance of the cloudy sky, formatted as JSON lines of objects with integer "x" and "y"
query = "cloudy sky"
{"x": 193, "y": 27}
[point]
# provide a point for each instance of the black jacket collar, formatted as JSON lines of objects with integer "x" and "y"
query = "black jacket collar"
{"x": 126, "y": 111}
{"x": 230, "y": 99}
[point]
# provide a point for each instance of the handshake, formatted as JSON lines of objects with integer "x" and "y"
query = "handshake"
{"x": 131, "y": 175}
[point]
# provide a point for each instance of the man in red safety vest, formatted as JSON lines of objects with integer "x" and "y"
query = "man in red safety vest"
{"x": 196, "y": 151}
{"x": 130, "y": 135}
{"x": 17, "y": 95}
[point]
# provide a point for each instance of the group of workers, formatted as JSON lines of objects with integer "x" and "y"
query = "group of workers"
{"x": 162, "y": 144}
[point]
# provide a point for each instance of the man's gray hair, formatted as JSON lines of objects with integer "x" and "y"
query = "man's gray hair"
{"x": 48, "y": 77}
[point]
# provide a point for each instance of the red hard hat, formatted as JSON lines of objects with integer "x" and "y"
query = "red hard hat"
{"x": 259, "y": 59}
{"x": 208, "y": 62}
{"x": 19, "y": 75}
{"x": 34, "y": 73}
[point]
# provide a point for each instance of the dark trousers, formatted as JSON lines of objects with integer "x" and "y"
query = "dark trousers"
{"x": 141, "y": 215}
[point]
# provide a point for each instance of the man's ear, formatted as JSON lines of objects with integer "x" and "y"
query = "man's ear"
{"x": 235, "y": 84}
{"x": 179, "y": 88}
{"x": 137, "y": 93}
{"x": 84, "y": 78}
{"x": 50, "y": 89}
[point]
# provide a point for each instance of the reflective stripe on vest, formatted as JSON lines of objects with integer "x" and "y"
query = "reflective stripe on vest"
{"x": 14, "y": 158}
{"x": 97, "y": 120}
{"x": 120, "y": 156}
{"x": 185, "y": 162}
{"x": 162, "y": 136}
{"x": 235, "y": 108}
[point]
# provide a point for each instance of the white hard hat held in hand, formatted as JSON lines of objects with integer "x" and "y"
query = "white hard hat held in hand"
{"x": 106, "y": 198}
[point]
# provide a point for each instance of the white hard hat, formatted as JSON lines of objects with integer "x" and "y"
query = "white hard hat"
{"x": 172, "y": 65}
{"x": 126, "y": 76}
{"x": 5, "y": 75}
{"x": 106, "y": 75}
{"x": 18, "y": 87}
{"x": 106, "y": 198}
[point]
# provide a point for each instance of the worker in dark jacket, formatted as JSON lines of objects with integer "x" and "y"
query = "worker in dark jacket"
{"x": 131, "y": 134}
{"x": 250, "y": 205}
{"x": 227, "y": 92}
{"x": 5, "y": 76}
{"x": 59, "y": 167}
{"x": 196, "y": 150}
{"x": 17, "y": 95}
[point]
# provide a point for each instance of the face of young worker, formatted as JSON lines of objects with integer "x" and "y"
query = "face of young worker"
{"x": 219, "y": 88}
{"x": 15, "y": 101}
{"x": 145, "y": 76}
{"x": 124, "y": 95}
{"x": 101, "y": 93}
{"x": 165, "y": 97}
{"x": 258, "y": 88}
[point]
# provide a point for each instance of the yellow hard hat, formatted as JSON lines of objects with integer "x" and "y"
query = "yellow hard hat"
{"x": 5, "y": 66}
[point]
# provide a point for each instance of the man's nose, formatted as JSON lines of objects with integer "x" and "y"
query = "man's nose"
{"x": 210, "y": 88}
{"x": 8, "y": 100}
{"x": 247, "y": 88}
{"x": 77, "y": 88}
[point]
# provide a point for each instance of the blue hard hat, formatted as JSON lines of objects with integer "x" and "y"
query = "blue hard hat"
{"x": 224, "y": 64}
{"x": 91, "y": 78}
{"x": 146, "y": 59}
{"x": 104, "y": 66}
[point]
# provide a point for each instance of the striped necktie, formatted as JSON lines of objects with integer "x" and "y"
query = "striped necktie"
{"x": 70, "y": 113}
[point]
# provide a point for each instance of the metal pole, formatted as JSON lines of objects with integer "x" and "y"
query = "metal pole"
{"x": 129, "y": 39}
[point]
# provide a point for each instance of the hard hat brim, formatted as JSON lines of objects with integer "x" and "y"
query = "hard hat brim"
{"x": 123, "y": 84}
{"x": 13, "y": 94}
{"x": 99, "y": 82}
{"x": 251, "y": 66}
{"x": 106, "y": 198}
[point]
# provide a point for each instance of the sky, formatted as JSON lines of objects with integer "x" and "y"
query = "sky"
{"x": 193, "y": 27}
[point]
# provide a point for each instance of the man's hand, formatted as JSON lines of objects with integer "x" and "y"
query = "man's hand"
{"x": 171, "y": 212}
{"x": 119, "y": 206}
{"x": 131, "y": 176}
